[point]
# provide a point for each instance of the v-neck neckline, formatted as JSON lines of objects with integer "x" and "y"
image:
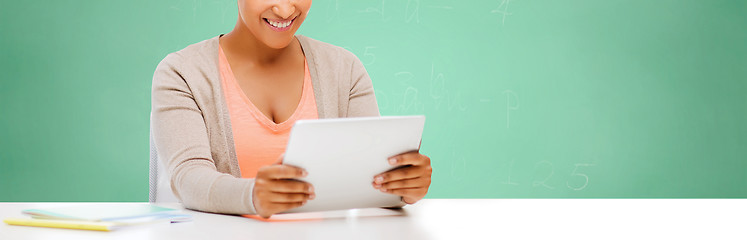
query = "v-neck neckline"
{"x": 261, "y": 117}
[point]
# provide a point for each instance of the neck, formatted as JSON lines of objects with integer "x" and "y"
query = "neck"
{"x": 243, "y": 44}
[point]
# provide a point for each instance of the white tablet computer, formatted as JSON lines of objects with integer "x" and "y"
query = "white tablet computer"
{"x": 343, "y": 155}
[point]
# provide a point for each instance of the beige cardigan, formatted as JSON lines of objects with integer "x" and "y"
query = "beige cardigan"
{"x": 191, "y": 129}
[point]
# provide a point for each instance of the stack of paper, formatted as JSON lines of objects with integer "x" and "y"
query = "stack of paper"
{"x": 101, "y": 217}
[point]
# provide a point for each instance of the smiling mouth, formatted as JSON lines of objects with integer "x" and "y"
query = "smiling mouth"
{"x": 280, "y": 25}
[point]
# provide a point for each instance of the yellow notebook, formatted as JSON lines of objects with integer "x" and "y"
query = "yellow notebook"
{"x": 85, "y": 225}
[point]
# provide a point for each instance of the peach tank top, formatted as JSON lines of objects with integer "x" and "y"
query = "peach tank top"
{"x": 258, "y": 140}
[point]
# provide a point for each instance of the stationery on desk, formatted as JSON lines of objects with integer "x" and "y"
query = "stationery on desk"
{"x": 102, "y": 217}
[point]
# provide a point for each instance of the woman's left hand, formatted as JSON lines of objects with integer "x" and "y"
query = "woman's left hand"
{"x": 410, "y": 181}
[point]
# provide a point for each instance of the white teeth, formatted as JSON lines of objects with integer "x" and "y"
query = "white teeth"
{"x": 279, "y": 24}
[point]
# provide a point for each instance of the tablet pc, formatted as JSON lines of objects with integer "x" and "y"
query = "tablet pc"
{"x": 343, "y": 155}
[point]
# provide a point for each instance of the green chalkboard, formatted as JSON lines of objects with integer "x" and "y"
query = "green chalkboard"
{"x": 523, "y": 98}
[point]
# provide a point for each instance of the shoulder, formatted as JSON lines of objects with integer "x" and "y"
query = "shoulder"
{"x": 326, "y": 53}
{"x": 199, "y": 55}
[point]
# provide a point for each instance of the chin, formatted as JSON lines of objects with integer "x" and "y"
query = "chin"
{"x": 279, "y": 43}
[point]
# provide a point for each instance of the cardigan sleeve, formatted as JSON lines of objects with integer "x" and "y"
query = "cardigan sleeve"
{"x": 181, "y": 139}
{"x": 362, "y": 100}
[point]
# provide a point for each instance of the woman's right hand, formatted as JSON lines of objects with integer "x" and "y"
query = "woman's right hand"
{"x": 276, "y": 190}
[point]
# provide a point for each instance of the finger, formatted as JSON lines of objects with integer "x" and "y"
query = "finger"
{"x": 265, "y": 196}
{"x": 399, "y": 174}
{"x": 281, "y": 172}
{"x": 406, "y": 183}
{"x": 410, "y": 158}
{"x": 291, "y": 186}
{"x": 411, "y": 200}
{"x": 274, "y": 197}
{"x": 409, "y": 192}
{"x": 273, "y": 208}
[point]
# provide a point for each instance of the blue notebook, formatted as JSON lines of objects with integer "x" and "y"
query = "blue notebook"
{"x": 127, "y": 214}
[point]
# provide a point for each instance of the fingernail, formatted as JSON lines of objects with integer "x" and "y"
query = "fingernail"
{"x": 377, "y": 185}
{"x": 383, "y": 189}
{"x": 379, "y": 179}
{"x": 304, "y": 173}
{"x": 312, "y": 196}
{"x": 393, "y": 161}
{"x": 311, "y": 189}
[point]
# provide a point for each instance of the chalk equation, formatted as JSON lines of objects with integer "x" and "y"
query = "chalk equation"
{"x": 437, "y": 95}
{"x": 377, "y": 9}
{"x": 544, "y": 171}
{"x": 409, "y": 11}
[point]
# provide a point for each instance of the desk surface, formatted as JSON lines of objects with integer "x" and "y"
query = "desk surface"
{"x": 446, "y": 219}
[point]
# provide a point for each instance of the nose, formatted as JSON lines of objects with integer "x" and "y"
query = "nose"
{"x": 284, "y": 8}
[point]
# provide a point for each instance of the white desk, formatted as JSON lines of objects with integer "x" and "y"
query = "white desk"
{"x": 447, "y": 219}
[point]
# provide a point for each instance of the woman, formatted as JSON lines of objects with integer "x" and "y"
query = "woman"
{"x": 223, "y": 109}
